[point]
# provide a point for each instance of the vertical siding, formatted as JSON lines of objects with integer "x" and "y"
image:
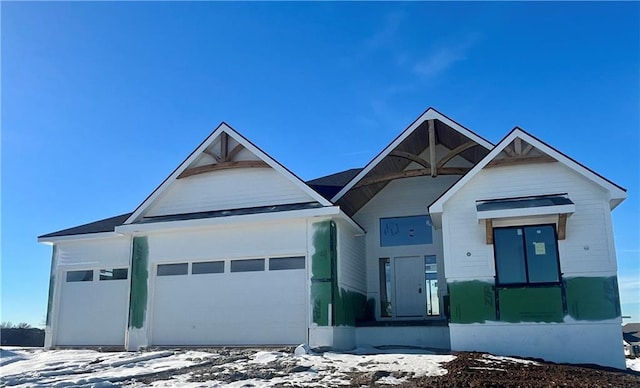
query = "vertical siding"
{"x": 227, "y": 189}
{"x": 587, "y": 248}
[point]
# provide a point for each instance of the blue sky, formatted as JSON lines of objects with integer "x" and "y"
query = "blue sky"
{"x": 101, "y": 101}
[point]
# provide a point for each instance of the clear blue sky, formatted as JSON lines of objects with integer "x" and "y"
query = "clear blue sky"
{"x": 101, "y": 101}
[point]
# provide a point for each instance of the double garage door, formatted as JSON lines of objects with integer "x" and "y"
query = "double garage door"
{"x": 259, "y": 301}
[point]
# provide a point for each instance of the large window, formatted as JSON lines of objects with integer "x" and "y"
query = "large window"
{"x": 526, "y": 255}
{"x": 413, "y": 230}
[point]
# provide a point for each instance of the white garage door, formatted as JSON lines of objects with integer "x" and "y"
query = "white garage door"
{"x": 93, "y": 307}
{"x": 233, "y": 302}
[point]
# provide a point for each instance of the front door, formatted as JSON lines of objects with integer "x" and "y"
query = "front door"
{"x": 410, "y": 286}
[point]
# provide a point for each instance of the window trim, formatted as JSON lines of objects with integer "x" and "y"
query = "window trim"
{"x": 498, "y": 284}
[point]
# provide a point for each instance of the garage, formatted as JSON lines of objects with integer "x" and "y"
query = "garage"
{"x": 93, "y": 307}
{"x": 249, "y": 301}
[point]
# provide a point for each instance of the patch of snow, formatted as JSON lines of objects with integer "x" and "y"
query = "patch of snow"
{"x": 88, "y": 368}
{"x": 390, "y": 380}
{"x": 489, "y": 359}
{"x": 633, "y": 364}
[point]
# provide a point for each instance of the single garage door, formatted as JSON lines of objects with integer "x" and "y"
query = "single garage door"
{"x": 231, "y": 302}
{"x": 93, "y": 307}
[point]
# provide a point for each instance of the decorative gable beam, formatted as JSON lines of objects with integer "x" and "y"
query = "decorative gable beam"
{"x": 455, "y": 152}
{"x": 411, "y": 174}
{"x": 520, "y": 160}
{"x": 432, "y": 148}
{"x": 222, "y": 166}
{"x": 411, "y": 157}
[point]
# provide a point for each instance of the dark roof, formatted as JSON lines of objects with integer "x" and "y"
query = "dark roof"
{"x": 328, "y": 186}
{"x": 523, "y": 202}
{"x": 106, "y": 225}
{"x": 230, "y": 212}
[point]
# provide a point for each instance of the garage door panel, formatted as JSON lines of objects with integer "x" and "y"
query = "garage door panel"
{"x": 92, "y": 313}
{"x": 244, "y": 308}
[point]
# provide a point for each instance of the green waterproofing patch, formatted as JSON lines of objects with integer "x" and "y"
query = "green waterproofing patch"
{"x": 531, "y": 304}
{"x": 322, "y": 271}
{"x": 593, "y": 298}
{"x": 52, "y": 284}
{"x": 139, "y": 278}
{"x": 350, "y": 306}
{"x": 472, "y": 301}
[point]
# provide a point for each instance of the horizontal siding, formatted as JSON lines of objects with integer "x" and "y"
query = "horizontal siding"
{"x": 587, "y": 248}
{"x": 230, "y": 241}
{"x": 227, "y": 189}
{"x": 98, "y": 253}
{"x": 351, "y": 259}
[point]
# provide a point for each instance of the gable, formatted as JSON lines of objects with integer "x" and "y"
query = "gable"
{"x": 226, "y": 172}
{"x": 420, "y": 146}
{"x": 519, "y": 148}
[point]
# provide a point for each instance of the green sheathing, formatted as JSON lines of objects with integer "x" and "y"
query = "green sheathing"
{"x": 139, "y": 279}
{"x": 472, "y": 301}
{"x": 346, "y": 306}
{"x": 323, "y": 271}
{"x": 52, "y": 284}
{"x": 350, "y": 306}
{"x": 527, "y": 304}
{"x": 593, "y": 298}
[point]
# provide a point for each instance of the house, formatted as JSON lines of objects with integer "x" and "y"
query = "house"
{"x": 631, "y": 338}
{"x": 443, "y": 240}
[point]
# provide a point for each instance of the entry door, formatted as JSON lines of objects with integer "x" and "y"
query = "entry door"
{"x": 410, "y": 286}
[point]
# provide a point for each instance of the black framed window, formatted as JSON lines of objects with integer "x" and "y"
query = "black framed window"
{"x": 113, "y": 274}
{"x": 247, "y": 265}
{"x": 80, "y": 276}
{"x": 526, "y": 255}
{"x": 207, "y": 267}
{"x": 173, "y": 269}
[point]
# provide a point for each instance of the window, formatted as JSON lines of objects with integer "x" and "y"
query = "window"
{"x": 207, "y": 267}
{"x": 247, "y": 265}
{"x": 413, "y": 230}
{"x": 526, "y": 255}
{"x": 113, "y": 274}
{"x": 281, "y": 263}
{"x": 80, "y": 276}
{"x": 385, "y": 287}
{"x": 431, "y": 285}
{"x": 173, "y": 269}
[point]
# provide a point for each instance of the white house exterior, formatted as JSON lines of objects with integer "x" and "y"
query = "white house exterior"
{"x": 443, "y": 240}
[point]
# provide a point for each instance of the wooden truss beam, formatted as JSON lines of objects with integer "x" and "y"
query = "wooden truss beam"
{"x": 232, "y": 154}
{"x": 562, "y": 226}
{"x": 411, "y": 174}
{"x": 411, "y": 157}
{"x": 432, "y": 148}
{"x": 455, "y": 152}
{"x": 222, "y": 166}
{"x": 520, "y": 160}
{"x": 488, "y": 226}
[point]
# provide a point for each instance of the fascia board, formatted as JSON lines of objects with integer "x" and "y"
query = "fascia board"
{"x": 429, "y": 114}
{"x": 239, "y": 219}
{"x": 526, "y": 212}
{"x": 78, "y": 237}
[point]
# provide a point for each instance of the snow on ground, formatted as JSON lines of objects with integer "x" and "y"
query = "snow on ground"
{"x": 633, "y": 364}
{"x": 26, "y": 367}
{"x": 233, "y": 367}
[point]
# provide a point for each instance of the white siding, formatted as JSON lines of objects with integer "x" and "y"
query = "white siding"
{"x": 587, "y": 248}
{"x": 351, "y": 259}
{"x": 92, "y": 312}
{"x": 227, "y": 189}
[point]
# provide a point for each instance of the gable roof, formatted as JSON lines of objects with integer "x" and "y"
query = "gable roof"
{"x": 618, "y": 193}
{"x": 329, "y": 185}
{"x": 224, "y": 128}
{"x": 412, "y": 140}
